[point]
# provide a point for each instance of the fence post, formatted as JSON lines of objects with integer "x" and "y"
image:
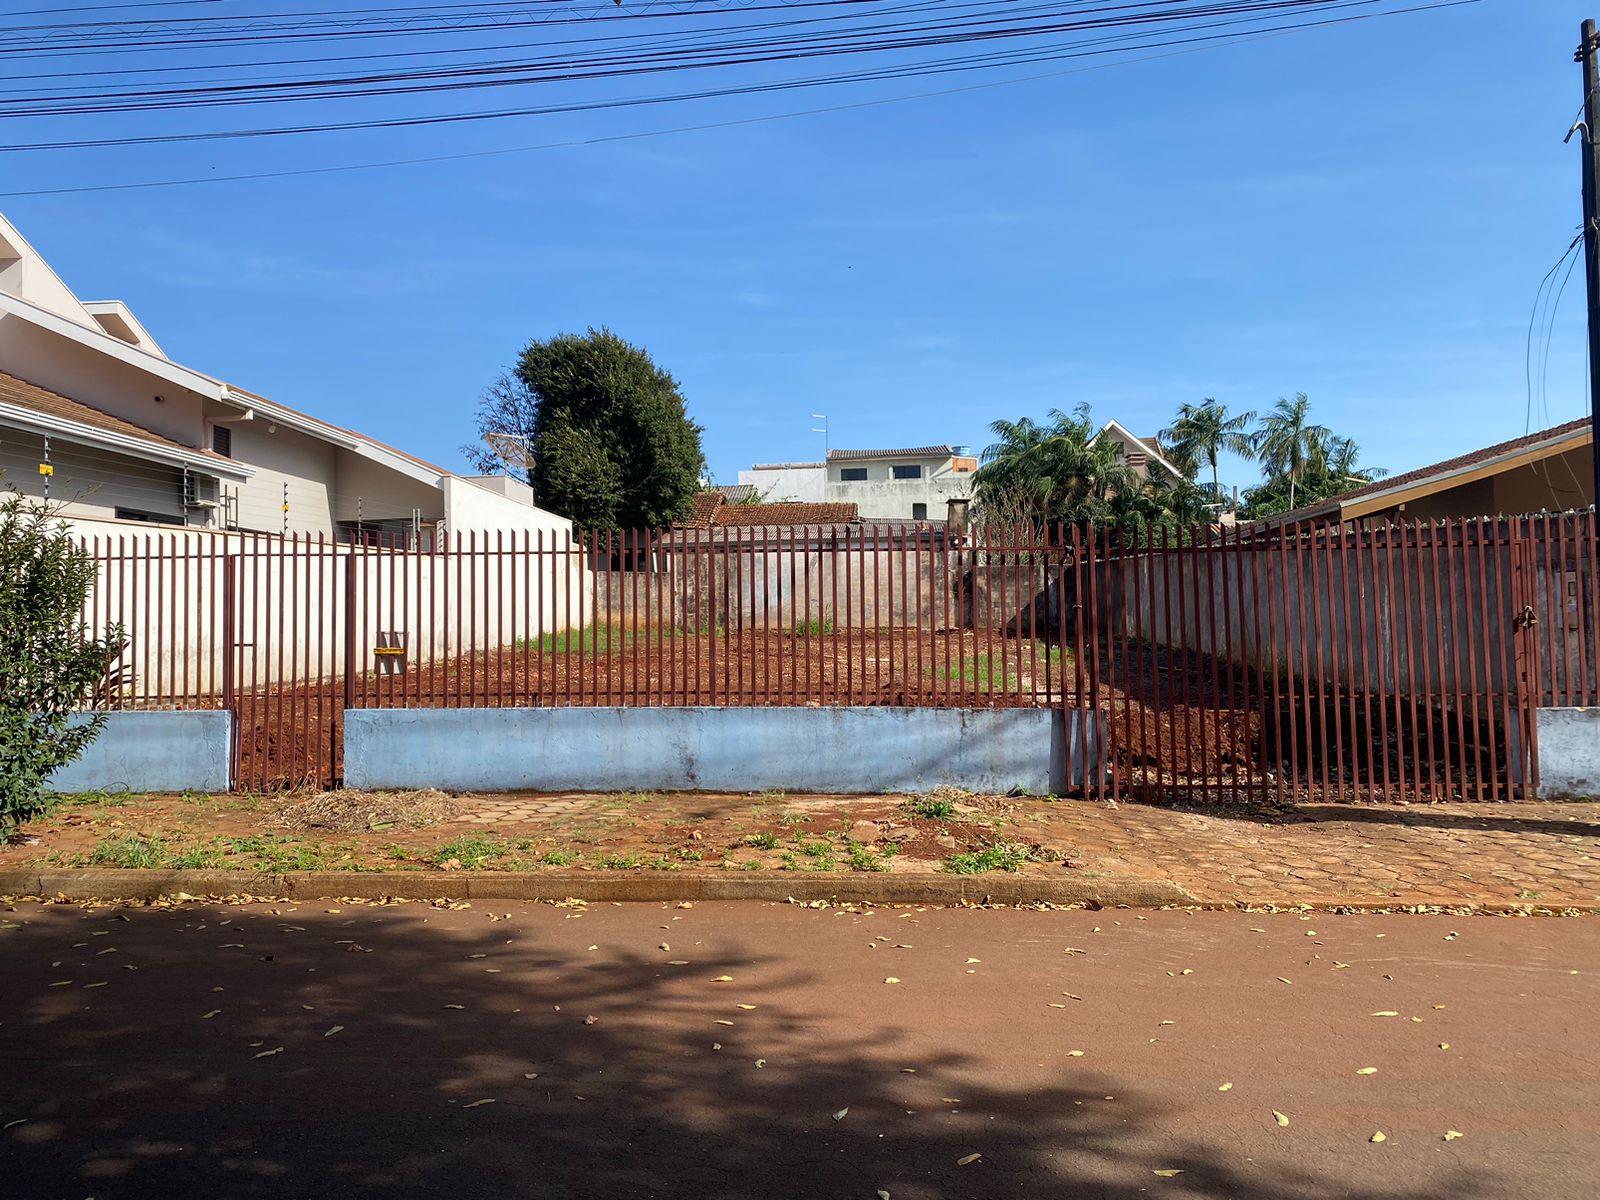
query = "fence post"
{"x": 230, "y": 637}
{"x": 350, "y": 649}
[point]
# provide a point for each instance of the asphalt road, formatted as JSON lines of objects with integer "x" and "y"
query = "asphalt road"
{"x": 764, "y": 1051}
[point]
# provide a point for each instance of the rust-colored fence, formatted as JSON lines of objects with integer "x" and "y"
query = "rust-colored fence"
{"x": 1244, "y": 663}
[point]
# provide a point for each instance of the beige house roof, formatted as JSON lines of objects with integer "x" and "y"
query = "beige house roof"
{"x": 1449, "y": 473}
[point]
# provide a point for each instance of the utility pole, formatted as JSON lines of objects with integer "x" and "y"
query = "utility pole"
{"x": 1590, "y": 146}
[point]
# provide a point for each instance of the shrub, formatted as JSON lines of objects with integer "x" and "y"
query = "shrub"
{"x": 49, "y": 666}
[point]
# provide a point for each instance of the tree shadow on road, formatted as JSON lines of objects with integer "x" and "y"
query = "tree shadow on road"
{"x": 602, "y": 1073}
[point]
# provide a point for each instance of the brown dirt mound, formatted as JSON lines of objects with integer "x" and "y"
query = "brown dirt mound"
{"x": 349, "y": 811}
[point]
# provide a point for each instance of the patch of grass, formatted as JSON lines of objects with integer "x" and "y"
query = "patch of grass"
{"x": 84, "y": 799}
{"x": 732, "y": 864}
{"x": 998, "y": 667}
{"x": 130, "y": 852}
{"x": 692, "y": 855}
{"x": 473, "y": 850}
{"x": 1002, "y": 856}
{"x": 197, "y": 858}
{"x": 618, "y": 862}
{"x": 595, "y": 639}
{"x": 765, "y": 840}
{"x": 812, "y": 628}
{"x": 791, "y": 816}
{"x": 558, "y": 858}
{"x": 271, "y": 852}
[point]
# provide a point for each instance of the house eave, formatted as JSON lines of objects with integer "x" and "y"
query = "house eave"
{"x": 106, "y": 439}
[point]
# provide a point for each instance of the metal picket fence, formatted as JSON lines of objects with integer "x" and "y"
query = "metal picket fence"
{"x": 1236, "y": 663}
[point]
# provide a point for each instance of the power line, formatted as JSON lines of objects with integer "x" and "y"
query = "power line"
{"x": 604, "y": 139}
{"x": 901, "y": 71}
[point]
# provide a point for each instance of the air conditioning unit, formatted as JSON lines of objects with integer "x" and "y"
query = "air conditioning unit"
{"x": 201, "y": 491}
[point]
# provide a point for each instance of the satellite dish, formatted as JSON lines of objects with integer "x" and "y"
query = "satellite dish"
{"x": 513, "y": 449}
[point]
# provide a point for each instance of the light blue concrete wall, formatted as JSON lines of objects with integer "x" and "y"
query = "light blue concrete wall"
{"x": 843, "y": 750}
{"x": 153, "y": 752}
{"x": 1569, "y": 753}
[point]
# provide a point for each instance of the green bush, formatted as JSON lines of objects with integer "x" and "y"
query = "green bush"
{"x": 49, "y": 666}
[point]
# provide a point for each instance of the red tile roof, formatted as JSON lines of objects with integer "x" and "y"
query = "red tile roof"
{"x": 711, "y": 510}
{"x": 786, "y": 513}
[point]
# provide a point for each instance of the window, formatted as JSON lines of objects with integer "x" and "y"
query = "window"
{"x": 919, "y": 512}
{"x": 138, "y": 514}
{"x": 222, "y": 440}
{"x": 908, "y": 471}
{"x": 852, "y": 474}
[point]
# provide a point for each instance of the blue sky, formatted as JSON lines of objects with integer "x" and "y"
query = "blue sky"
{"x": 1362, "y": 213}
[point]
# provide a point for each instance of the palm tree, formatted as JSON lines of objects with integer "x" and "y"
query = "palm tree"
{"x": 1202, "y": 432}
{"x": 1288, "y": 445}
{"x": 1057, "y": 470}
{"x": 1343, "y": 455}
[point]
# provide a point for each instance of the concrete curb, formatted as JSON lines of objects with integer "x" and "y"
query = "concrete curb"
{"x": 600, "y": 886}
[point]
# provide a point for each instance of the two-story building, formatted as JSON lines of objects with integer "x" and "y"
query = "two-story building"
{"x": 914, "y": 484}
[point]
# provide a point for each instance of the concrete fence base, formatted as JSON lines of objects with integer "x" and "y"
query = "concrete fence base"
{"x": 154, "y": 752}
{"x": 843, "y": 750}
{"x": 1569, "y": 753}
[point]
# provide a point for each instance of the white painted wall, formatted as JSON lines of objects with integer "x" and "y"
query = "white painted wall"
{"x": 165, "y": 589}
{"x": 777, "y": 482}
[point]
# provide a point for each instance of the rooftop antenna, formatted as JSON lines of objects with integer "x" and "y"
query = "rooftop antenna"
{"x": 823, "y": 430}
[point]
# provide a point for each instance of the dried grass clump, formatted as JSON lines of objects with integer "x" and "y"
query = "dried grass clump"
{"x": 350, "y": 811}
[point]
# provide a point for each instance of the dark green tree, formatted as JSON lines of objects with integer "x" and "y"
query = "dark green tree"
{"x": 600, "y": 430}
{"x": 49, "y": 666}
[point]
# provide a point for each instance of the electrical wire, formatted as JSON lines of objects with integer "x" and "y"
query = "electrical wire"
{"x": 899, "y": 71}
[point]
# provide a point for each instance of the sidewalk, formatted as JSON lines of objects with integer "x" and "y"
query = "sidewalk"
{"x": 1538, "y": 855}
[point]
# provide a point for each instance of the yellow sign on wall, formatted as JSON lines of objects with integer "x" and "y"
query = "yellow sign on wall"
{"x": 46, "y": 469}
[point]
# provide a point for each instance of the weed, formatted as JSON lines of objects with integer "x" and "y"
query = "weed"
{"x": 935, "y": 808}
{"x": 864, "y": 858}
{"x": 691, "y": 855}
{"x": 618, "y": 862}
{"x": 558, "y": 858}
{"x": 1002, "y": 856}
{"x": 812, "y": 628}
{"x": 762, "y": 841}
{"x": 730, "y": 864}
{"x": 821, "y": 854}
{"x": 791, "y": 816}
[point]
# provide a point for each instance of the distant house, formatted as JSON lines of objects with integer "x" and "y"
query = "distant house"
{"x": 97, "y": 418}
{"x": 1548, "y": 471}
{"x": 1140, "y": 455}
{"x": 913, "y": 484}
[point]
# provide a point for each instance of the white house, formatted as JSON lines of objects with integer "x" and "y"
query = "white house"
{"x": 95, "y": 416}
{"x": 914, "y": 484}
